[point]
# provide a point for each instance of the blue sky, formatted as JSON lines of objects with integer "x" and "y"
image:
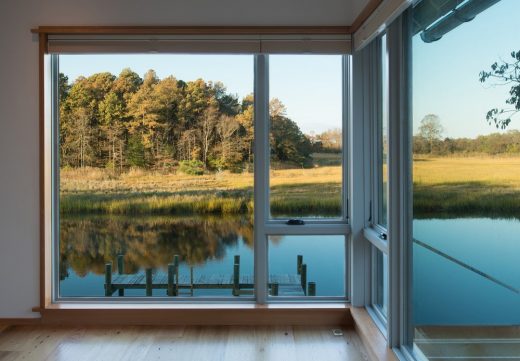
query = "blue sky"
{"x": 445, "y": 75}
{"x": 446, "y": 72}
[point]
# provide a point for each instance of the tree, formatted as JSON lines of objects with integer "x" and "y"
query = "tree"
{"x": 288, "y": 143}
{"x": 277, "y": 108}
{"x": 431, "y": 130}
{"x": 127, "y": 83}
{"x": 116, "y": 122}
{"x": 227, "y": 103}
{"x": 63, "y": 87}
{"x": 136, "y": 151}
{"x": 81, "y": 136}
{"x": 245, "y": 119}
{"x": 208, "y": 123}
{"x": 143, "y": 110}
{"x": 168, "y": 96}
{"x": 330, "y": 140}
{"x": 505, "y": 73}
{"x": 111, "y": 111}
{"x": 231, "y": 143}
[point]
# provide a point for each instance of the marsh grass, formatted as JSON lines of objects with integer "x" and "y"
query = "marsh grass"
{"x": 293, "y": 191}
{"x": 483, "y": 186}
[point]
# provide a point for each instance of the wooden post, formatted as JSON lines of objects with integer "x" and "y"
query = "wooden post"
{"x": 171, "y": 273}
{"x": 148, "y": 281}
{"x": 274, "y": 289}
{"x": 236, "y": 276}
{"x": 304, "y": 278}
{"x": 191, "y": 280}
{"x": 121, "y": 270}
{"x": 120, "y": 264}
{"x": 108, "y": 279}
{"x": 299, "y": 262}
{"x": 176, "y": 265}
{"x": 312, "y": 288}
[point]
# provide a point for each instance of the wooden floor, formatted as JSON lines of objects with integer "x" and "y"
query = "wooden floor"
{"x": 298, "y": 343}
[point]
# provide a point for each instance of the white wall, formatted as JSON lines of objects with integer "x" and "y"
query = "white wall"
{"x": 19, "y": 205}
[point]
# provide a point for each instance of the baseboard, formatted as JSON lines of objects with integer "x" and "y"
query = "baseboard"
{"x": 20, "y": 321}
{"x": 374, "y": 341}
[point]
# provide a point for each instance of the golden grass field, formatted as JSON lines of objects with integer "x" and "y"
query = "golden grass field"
{"x": 483, "y": 185}
{"x": 478, "y": 184}
{"x": 494, "y": 171}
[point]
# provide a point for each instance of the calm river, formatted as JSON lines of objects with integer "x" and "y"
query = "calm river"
{"x": 444, "y": 292}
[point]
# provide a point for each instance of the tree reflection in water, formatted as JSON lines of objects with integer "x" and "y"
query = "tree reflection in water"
{"x": 87, "y": 243}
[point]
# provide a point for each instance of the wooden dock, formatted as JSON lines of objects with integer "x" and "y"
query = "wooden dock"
{"x": 177, "y": 284}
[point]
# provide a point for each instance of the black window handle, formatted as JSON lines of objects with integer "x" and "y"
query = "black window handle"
{"x": 295, "y": 222}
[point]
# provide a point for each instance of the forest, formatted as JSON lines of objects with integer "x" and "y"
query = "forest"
{"x": 507, "y": 143}
{"x": 125, "y": 121}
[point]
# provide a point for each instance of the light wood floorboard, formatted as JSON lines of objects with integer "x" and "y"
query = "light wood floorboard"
{"x": 198, "y": 343}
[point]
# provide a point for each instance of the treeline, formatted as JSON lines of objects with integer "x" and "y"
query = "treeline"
{"x": 127, "y": 121}
{"x": 493, "y": 144}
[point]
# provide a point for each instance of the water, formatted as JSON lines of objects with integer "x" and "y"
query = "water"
{"x": 208, "y": 244}
{"x": 444, "y": 293}
{"x": 447, "y": 294}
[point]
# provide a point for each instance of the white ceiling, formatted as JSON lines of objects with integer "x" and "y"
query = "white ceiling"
{"x": 193, "y": 12}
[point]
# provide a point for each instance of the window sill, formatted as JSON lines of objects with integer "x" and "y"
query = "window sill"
{"x": 197, "y": 314}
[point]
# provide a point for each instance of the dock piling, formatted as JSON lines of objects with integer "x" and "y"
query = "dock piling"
{"x": 236, "y": 276}
{"x": 108, "y": 279}
{"x": 121, "y": 270}
{"x": 299, "y": 262}
{"x": 304, "y": 278}
{"x": 176, "y": 265}
{"x": 148, "y": 282}
{"x": 171, "y": 273}
{"x": 312, "y": 288}
{"x": 274, "y": 289}
{"x": 191, "y": 280}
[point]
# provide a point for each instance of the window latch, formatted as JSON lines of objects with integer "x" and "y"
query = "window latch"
{"x": 383, "y": 236}
{"x": 295, "y": 222}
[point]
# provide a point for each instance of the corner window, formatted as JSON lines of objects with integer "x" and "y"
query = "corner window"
{"x": 466, "y": 172}
{"x": 155, "y": 176}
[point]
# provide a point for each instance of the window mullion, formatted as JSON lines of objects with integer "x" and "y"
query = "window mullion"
{"x": 261, "y": 180}
{"x": 400, "y": 184}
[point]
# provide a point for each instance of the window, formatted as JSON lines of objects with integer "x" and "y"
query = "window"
{"x": 378, "y": 123}
{"x": 382, "y": 140}
{"x": 380, "y": 281}
{"x": 160, "y": 179}
{"x": 306, "y": 136}
{"x": 466, "y": 176}
{"x": 156, "y": 175}
{"x": 318, "y": 259}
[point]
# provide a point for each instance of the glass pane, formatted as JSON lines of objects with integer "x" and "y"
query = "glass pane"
{"x": 466, "y": 181}
{"x": 156, "y": 175}
{"x": 307, "y": 266}
{"x": 380, "y": 280}
{"x": 305, "y": 136}
{"x": 383, "y": 140}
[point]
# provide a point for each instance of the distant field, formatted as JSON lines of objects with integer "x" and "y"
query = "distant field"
{"x": 488, "y": 186}
{"x": 444, "y": 185}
